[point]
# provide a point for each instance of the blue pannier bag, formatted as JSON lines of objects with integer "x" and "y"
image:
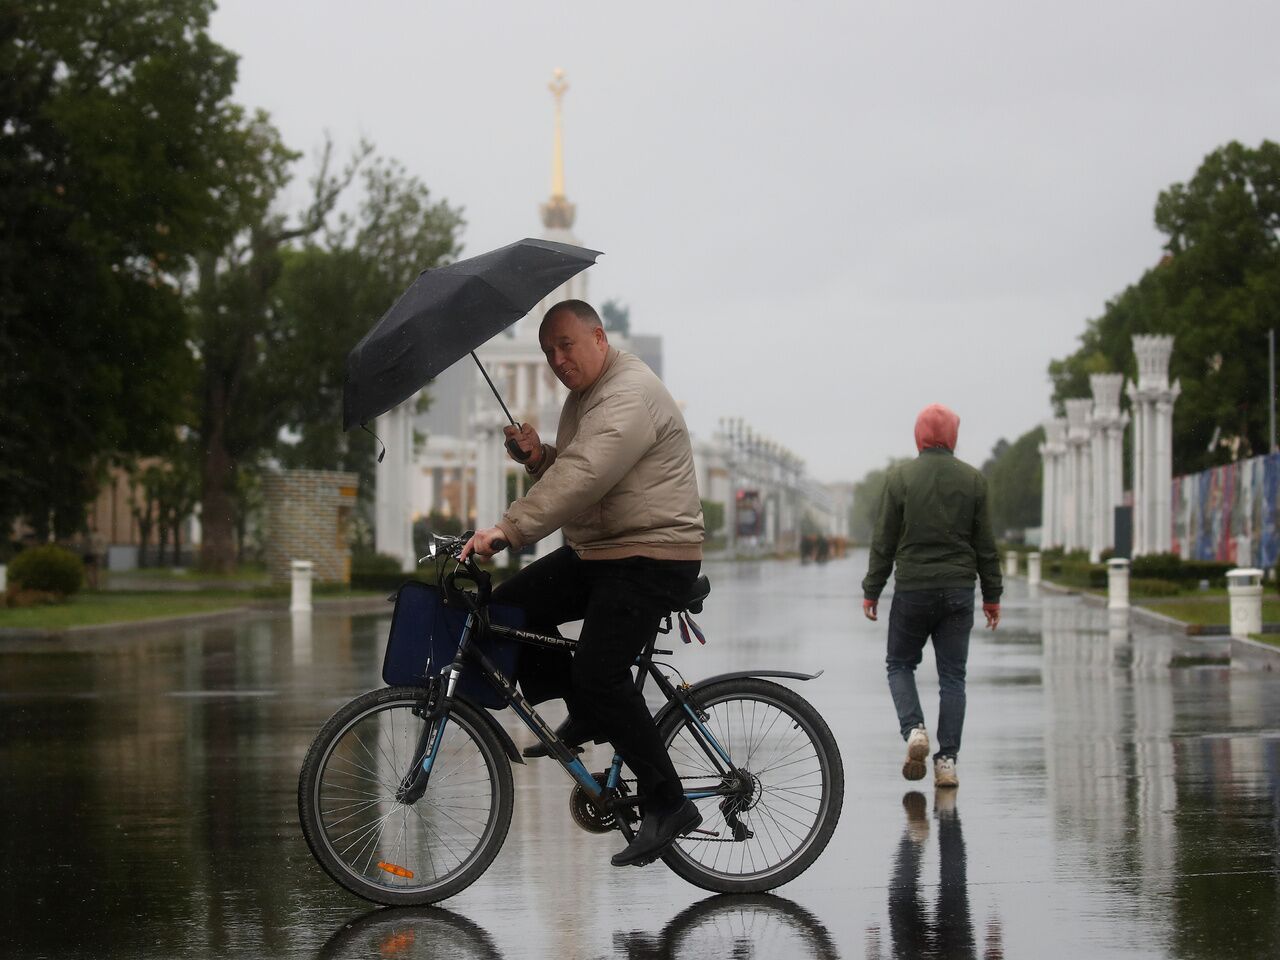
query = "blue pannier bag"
{"x": 424, "y": 639}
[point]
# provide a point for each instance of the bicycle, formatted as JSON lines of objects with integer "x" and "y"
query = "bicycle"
{"x": 406, "y": 795}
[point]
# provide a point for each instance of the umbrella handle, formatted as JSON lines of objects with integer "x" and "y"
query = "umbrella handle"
{"x": 514, "y": 448}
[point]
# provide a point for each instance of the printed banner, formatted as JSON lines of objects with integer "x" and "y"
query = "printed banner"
{"x": 1214, "y": 509}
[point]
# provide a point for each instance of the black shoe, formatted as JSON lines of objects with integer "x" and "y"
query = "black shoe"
{"x": 569, "y": 731}
{"x": 656, "y": 833}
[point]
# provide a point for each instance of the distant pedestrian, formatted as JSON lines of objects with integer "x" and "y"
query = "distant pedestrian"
{"x": 934, "y": 526}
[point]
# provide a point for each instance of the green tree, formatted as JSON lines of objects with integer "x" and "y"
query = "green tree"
{"x": 617, "y": 317}
{"x": 279, "y": 308}
{"x": 1217, "y": 290}
{"x": 238, "y": 329}
{"x": 114, "y": 170}
{"x": 330, "y": 294}
{"x": 713, "y": 517}
{"x": 1013, "y": 475}
{"x": 866, "y": 501}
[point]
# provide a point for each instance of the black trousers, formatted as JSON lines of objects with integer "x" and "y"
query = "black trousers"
{"x": 621, "y": 603}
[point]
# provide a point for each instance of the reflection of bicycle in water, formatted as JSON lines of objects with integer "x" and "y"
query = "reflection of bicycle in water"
{"x": 406, "y": 795}
{"x": 405, "y": 933}
{"x": 738, "y": 926}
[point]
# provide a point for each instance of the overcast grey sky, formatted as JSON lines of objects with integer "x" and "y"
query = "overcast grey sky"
{"x": 833, "y": 212}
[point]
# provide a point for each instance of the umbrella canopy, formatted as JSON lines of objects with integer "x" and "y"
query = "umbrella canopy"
{"x": 445, "y": 314}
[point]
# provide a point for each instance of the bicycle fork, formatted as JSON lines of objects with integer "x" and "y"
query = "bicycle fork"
{"x": 414, "y": 783}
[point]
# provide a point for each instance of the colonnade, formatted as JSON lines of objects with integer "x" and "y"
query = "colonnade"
{"x": 1082, "y": 456}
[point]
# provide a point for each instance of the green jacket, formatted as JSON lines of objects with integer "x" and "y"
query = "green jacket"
{"x": 933, "y": 522}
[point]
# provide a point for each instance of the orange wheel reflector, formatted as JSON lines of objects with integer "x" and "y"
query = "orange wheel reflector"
{"x": 395, "y": 869}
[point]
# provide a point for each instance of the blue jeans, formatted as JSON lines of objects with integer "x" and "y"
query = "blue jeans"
{"x": 915, "y": 617}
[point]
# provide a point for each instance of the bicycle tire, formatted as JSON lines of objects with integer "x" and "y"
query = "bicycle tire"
{"x": 755, "y": 924}
{"x": 784, "y": 845}
{"x": 351, "y": 773}
{"x": 407, "y": 932}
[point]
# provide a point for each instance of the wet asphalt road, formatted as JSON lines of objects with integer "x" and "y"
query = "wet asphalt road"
{"x": 1119, "y": 797}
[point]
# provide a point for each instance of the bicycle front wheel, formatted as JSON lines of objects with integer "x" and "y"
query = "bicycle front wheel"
{"x": 793, "y": 780}
{"x": 376, "y": 844}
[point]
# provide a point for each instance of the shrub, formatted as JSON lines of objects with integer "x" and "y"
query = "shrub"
{"x": 1169, "y": 566}
{"x": 1152, "y": 587}
{"x": 21, "y": 599}
{"x": 47, "y": 568}
{"x": 376, "y": 564}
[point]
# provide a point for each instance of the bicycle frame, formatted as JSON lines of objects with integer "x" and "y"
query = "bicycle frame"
{"x": 469, "y": 654}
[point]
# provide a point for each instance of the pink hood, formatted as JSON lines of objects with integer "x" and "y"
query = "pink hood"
{"x": 937, "y": 426}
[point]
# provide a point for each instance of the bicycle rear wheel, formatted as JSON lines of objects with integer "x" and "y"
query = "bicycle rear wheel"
{"x": 786, "y": 752}
{"x": 392, "y": 852}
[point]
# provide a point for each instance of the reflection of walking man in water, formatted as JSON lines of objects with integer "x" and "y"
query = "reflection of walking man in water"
{"x": 949, "y": 932}
{"x": 933, "y": 525}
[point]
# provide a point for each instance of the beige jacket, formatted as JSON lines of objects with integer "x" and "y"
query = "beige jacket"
{"x": 620, "y": 478}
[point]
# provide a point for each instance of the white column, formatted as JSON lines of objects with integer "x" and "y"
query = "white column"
{"x": 1097, "y": 505}
{"x": 394, "y": 525}
{"x": 1115, "y": 478}
{"x": 1086, "y": 493}
{"x": 1057, "y": 429}
{"x": 523, "y": 394}
{"x": 1152, "y": 469}
{"x": 1054, "y": 484}
{"x": 1153, "y": 448}
{"x": 1080, "y": 521}
{"x": 1046, "y": 496}
{"x": 1139, "y": 528}
{"x": 490, "y": 478}
{"x": 1106, "y": 422}
{"x": 1164, "y": 474}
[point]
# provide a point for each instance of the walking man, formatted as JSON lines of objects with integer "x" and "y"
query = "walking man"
{"x": 934, "y": 526}
{"x": 620, "y": 481}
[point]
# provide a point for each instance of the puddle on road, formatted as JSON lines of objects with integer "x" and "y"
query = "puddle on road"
{"x": 1120, "y": 796}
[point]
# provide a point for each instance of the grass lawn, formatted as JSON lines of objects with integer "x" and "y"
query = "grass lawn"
{"x": 91, "y": 608}
{"x": 145, "y": 577}
{"x": 1206, "y": 610}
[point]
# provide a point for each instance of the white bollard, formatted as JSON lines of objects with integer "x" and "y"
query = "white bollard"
{"x": 300, "y": 601}
{"x": 4, "y": 577}
{"x": 1033, "y": 568}
{"x": 1118, "y": 584}
{"x": 1011, "y": 563}
{"x": 1244, "y": 587}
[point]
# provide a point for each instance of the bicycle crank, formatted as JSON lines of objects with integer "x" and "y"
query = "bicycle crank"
{"x": 586, "y": 814}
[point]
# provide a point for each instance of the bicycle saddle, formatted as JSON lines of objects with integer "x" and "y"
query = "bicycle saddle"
{"x": 697, "y": 593}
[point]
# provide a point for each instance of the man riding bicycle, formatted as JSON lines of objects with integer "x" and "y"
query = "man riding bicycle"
{"x": 620, "y": 481}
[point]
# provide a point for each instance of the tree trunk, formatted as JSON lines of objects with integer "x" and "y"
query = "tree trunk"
{"x": 177, "y": 540}
{"x": 218, "y": 473}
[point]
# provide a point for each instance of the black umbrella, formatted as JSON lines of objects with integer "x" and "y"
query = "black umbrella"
{"x": 445, "y": 314}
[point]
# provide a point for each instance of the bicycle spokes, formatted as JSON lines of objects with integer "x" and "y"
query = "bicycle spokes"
{"x": 766, "y": 812}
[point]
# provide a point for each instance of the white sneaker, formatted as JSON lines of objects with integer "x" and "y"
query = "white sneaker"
{"x": 944, "y": 772}
{"x": 917, "y": 750}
